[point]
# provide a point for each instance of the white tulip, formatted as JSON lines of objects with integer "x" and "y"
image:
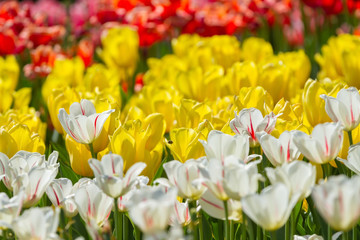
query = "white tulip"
{"x": 220, "y": 145}
{"x": 337, "y": 200}
{"x": 271, "y": 208}
{"x": 93, "y": 204}
{"x": 152, "y": 209}
{"x": 182, "y": 176}
{"x": 251, "y": 121}
{"x": 9, "y": 208}
{"x": 308, "y": 237}
{"x": 298, "y": 176}
{"x": 353, "y": 159}
{"x": 83, "y": 124}
{"x": 324, "y": 143}
{"x": 110, "y": 177}
{"x": 37, "y": 223}
{"x": 181, "y": 214}
{"x": 125, "y": 201}
{"x": 278, "y": 151}
{"x": 345, "y": 108}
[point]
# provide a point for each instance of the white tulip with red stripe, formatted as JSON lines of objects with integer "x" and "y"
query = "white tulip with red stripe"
{"x": 37, "y": 223}
{"x": 110, "y": 177}
{"x": 353, "y": 159}
{"x": 181, "y": 214}
{"x": 83, "y": 124}
{"x": 93, "y": 204}
{"x": 337, "y": 200}
{"x": 278, "y": 151}
{"x": 345, "y": 108}
{"x": 220, "y": 145}
{"x": 9, "y": 208}
{"x": 271, "y": 208}
{"x": 298, "y": 176}
{"x": 323, "y": 145}
{"x": 251, "y": 121}
{"x": 182, "y": 176}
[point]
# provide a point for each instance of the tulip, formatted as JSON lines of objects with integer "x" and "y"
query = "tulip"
{"x": 298, "y": 176}
{"x": 324, "y": 143}
{"x": 45, "y": 226}
{"x": 220, "y": 145}
{"x": 256, "y": 49}
{"x": 191, "y": 113}
{"x": 152, "y": 209}
{"x": 61, "y": 193}
{"x": 216, "y": 209}
{"x": 345, "y": 108}
{"x": 337, "y": 201}
{"x": 241, "y": 74}
{"x": 250, "y": 121}
{"x": 79, "y": 156}
{"x": 93, "y": 204}
{"x": 83, "y": 124}
{"x": 110, "y": 176}
{"x": 181, "y": 214}
{"x": 184, "y": 144}
{"x": 182, "y": 175}
{"x": 254, "y": 97}
{"x": 308, "y": 237}
{"x": 353, "y": 159}
{"x": 278, "y": 151}
{"x": 9, "y": 208}
{"x": 125, "y": 202}
{"x": 271, "y": 208}
{"x": 9, "y": 72}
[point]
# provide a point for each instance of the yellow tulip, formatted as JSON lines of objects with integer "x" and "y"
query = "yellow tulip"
{"x": 140, "y": 141}
{"x": 244, "y": 74}
{"x": 351, "y": 67}
{"x": 256, "y": 97}
{"x": 66, "y": 72}
{"x": 256, "y": 50}
{"x": 184, "y": 144}
{"x": 79, "y": 155}
{"x": 120, "y": 50}
{"x": 99, "y": 77}
{"x": 9, "y": 72}
{"x": 190, "y": 113}
{"x": 22, "y": 98}
{"x": 6, "y": 98}
{"x": 313, "y": 105}
{"x": 223, "y": 111}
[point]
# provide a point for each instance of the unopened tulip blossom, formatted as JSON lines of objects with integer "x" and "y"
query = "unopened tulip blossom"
{"x": 278, "y": 151}
{"x": 251, "y": 121}
{"x": 324, "y": 143}
{"x": 337, "y": 200}
{"x": 345, "y": 108}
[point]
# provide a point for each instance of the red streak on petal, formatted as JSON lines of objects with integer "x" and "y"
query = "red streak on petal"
{"x": 251, "y": 131}
{"x": 288, "y": 152}
{"x": 212, "y": 204}
{"x": 56, "y": 196}
{"x": 95, "y": 124}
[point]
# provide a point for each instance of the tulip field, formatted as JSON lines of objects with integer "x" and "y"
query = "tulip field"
{"x": 180, "y": 120}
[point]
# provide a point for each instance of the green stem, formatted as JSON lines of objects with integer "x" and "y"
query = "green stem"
{"x": 227, "y": 225}
{"x": 93, "y": 154}
{"x": 201, "y": 227}
{"x": 345, "y": 235}
{"x": 350, "y": 138}
{"x": 137, "y": 233}
{"x": 293, "y": 223}
{"x": 329, "y": 233}
{"x": 287, "y": 229}
{"x": 193, "y": 214}
{"x": 243, "y": 226}
{"x": 273, "y": 235}
{"x": 125, "y": 226}
{"x": 258, "y": 232}
{"x": 354, "y": 233}
{"x": 118, "y": 222}
{"x": 251, "y": 227}
{"x": 232, "y": 230}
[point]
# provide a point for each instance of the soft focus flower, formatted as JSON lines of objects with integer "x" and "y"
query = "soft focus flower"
{"x": 298, "y": 176}
{"x": 256, "y": 49}
{"x": 86, "y": 51}
{"x": 271, "y": 208}
{"x": 308, "y": 237}
{"x": 278, "y": 151}
{"x": 10, "y": 208}
{"x": 110, "y": 176}
{"x": 83, "y": 124}
{"x": 9, "y": 72}
{"x": 79, "y": 156}
{"x": 45, "y": 226}
{"x": 182, "y": 175}
{"x": 152, "y": 209}
{"x": 220, "y": 145}
{"x": 181, "y": 214}
{"x": 336, "y": 201}
{"x": 353, "y": 159}
{"x": 250, "y": 121}
{"x": 345, "y": 108}
{"x": 93, "y": 204}
{"x": 324, "y": 143}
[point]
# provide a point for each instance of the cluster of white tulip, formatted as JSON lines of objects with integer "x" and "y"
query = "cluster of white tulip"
{"x": 229, "y": 183}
